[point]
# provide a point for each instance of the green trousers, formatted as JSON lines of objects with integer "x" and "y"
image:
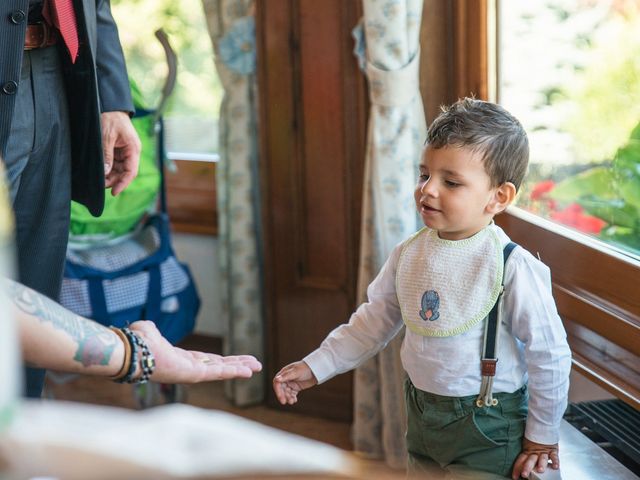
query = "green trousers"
{"x": 456, "y": 435}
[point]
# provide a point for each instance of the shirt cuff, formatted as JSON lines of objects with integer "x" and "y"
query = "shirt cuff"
{"x": 125, "y": 110}
{"x": 321, "y": 365}
{"x": 540, "y": 433}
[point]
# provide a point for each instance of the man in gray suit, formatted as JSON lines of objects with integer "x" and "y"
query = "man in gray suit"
{"x": 65, "y": 129}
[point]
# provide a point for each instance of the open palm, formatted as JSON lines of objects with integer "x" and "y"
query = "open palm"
{"x": 176, "y": 365}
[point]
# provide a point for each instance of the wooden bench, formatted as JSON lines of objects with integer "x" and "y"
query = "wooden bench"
{"x": 582, "y": 459}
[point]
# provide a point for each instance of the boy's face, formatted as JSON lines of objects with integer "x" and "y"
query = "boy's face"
{"x": 454, "y": 194}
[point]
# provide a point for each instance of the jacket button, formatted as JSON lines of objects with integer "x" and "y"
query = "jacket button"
{"x": 10, "y": 87}
{"x": 17, "y": 16}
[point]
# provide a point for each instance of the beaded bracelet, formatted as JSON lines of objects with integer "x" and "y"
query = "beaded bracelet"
{"x": 147, "y": 360}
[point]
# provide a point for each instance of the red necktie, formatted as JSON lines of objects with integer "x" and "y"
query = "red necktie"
{"x": 61, "y": 14}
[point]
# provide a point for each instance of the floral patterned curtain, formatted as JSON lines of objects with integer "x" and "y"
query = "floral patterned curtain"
{"x": 231, "y": 26}
{"x": 390, "y": 30}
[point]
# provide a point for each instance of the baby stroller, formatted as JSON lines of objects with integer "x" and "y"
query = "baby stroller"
{"x": 121, "y": 267}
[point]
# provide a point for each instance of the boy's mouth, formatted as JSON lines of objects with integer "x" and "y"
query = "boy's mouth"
{"x": 428, "y": 208}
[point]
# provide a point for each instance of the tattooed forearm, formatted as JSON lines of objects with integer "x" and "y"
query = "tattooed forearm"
{"x": 95, "y": 342}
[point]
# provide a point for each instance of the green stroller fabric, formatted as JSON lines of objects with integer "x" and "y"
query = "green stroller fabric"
{"x": 124, "y": 212}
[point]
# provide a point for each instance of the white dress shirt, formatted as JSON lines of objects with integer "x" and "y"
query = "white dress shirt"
{"x": 532, "y": 346}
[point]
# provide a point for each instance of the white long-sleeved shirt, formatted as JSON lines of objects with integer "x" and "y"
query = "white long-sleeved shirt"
{"x": 532, "y": 346}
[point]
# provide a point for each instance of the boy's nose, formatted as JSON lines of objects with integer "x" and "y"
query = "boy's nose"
{"x": 428, "y": 188}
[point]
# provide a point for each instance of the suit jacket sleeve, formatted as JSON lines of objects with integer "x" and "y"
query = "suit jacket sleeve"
{"x": 113, "y": 82}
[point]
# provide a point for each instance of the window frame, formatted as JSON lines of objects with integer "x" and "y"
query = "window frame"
{"x": 595, "y": 286}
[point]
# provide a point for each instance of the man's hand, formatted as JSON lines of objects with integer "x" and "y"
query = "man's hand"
{"x": 175, "y": 365}
{"x": 121, "y": 147}
{"x": 535, "y": 455}
{"x": 292, "y": 379}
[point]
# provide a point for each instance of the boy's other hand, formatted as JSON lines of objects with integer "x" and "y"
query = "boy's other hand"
{"x": 292, "y": 379}
{"x": 535, "y": 455}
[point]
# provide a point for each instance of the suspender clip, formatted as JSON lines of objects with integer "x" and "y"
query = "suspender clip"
{"x": 489, "y": 367}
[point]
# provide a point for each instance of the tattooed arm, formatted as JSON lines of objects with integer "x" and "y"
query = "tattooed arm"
{"x": 53, "y": 337}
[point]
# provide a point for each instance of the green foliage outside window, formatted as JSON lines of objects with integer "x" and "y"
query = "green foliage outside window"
{"x": 194, "y": 105}
{"x": 610, "y": 193}
{"x": 599, "y": 191}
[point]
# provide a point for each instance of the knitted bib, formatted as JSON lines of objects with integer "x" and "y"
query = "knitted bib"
{"x": 445, "y": 287}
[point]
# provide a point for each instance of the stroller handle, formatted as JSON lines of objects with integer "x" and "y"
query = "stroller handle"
{"x": 172, "y": 73}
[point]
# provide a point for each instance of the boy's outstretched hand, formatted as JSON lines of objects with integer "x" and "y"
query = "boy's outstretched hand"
{"x": 293, "y": 378}
{"x": 535, "y": 455}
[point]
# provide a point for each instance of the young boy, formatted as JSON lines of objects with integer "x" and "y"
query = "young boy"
{"x": 442, "y": 283}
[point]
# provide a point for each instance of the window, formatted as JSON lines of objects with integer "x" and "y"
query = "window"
{"x": 570, "y": 71}
{"x": 595, "y": 281}
{"x": 191, "y": 125}
{"x": 191, "y": 115}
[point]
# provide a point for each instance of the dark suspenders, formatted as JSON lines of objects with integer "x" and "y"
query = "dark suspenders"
{"x": 489, "y": 359}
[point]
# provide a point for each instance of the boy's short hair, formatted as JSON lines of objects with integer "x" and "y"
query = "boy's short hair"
{"x": 487, "y": 128}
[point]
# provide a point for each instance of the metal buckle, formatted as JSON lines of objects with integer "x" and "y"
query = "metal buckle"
{"x": 47, "y": 35}
{"x": 480, "y": 403}
{"x": 46, "y": 32}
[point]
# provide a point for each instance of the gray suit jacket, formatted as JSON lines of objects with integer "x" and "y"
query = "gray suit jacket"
{"x": 96, "y": 83}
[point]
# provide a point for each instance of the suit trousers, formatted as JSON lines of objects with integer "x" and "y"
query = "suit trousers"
{"x": 38, "y": 163}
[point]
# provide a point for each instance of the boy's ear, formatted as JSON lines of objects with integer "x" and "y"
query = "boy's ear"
{"x": 502, "y": 196}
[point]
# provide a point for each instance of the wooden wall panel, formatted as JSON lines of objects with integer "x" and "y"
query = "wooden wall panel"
{"x": 313, "y": 110}
{"x": 191, "y": 197}
{"x": 323, "y": 169}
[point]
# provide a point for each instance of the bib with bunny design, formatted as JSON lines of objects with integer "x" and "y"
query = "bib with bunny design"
{"x": 445, "y": 287}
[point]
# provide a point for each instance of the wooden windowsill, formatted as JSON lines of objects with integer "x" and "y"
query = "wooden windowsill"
{"x": 191, "y": 197}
